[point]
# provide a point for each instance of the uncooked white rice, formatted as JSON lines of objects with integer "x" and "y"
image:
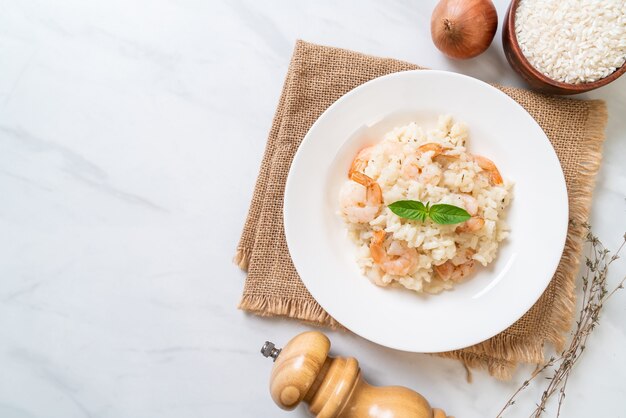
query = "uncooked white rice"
{"x": 439, "y": 181}
{"x": 572, "y": 41}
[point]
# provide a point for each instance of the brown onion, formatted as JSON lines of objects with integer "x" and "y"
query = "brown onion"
{"x": 463, "y": 28}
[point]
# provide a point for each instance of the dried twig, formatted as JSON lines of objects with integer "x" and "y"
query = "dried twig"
{"x": 595, "y": 295}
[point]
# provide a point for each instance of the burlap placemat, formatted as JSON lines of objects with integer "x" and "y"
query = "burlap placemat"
{"x": 317, "y": 77}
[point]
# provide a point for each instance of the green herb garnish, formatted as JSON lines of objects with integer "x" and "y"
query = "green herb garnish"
{"x": 442, "y": 214}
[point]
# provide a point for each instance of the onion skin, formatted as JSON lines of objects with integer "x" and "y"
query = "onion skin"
{"x": 463, "y": 28}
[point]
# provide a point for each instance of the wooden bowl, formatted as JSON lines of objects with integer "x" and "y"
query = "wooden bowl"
{"x": 530, "y": 74}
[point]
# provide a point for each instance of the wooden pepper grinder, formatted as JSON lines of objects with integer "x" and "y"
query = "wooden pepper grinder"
{"x": 333, "y": 386}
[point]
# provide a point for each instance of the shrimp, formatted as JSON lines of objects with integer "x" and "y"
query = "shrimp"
{"x": 360, "y": 161}
{"x": 457, "y": 268}
{"x": 397, "y": 259}
{"x": 361, "y": 199}
{"x": 492, "y": 171}
{"x": 411, "y": 168}
{"x": 437, "y": 149}
{"x": 473, "y": 224}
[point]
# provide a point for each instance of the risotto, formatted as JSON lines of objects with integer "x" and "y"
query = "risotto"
{"x": 434, "y": 168}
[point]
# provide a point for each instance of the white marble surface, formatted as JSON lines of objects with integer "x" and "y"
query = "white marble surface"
{"x": 131, "y": 133}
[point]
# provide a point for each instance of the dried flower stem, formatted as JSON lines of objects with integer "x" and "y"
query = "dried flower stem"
{"x": 594, "y": 297}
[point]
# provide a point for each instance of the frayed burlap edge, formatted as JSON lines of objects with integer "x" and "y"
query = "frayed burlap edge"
{"x": 500, "y": 369}
{"x": 242, "y": 258}
{"x": 307, "y": 311}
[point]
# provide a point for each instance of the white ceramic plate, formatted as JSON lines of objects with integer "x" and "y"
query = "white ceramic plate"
{"x": 497, "y": 295}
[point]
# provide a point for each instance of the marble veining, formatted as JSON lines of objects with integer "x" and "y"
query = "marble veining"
{"x": 130, "y": 137}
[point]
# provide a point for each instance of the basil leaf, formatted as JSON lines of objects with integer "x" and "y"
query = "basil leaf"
{"x": 448, "y": 214}
{"x": 409, "y": 209}
{"x": 442, "y": 214}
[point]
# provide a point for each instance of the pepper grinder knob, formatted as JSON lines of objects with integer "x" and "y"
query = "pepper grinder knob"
{"x": 333, "y": 386}
{"x": 270, "y": 350}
